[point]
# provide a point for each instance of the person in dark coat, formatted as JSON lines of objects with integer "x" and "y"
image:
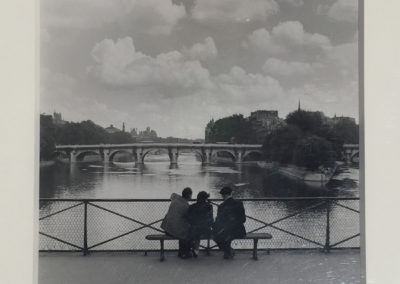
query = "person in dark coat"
{"x": 229, "y": 223}
{"x": 176, "y": 223}
{"x": 200, "y": 216}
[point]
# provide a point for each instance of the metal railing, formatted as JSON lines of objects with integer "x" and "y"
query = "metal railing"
{"x": 121, "y": 224}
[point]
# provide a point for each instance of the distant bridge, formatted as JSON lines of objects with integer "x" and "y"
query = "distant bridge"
{"x": 138, "y": 151}
{"x": 351, "y": 151}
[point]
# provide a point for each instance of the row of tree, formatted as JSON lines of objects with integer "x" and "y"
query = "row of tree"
{"x": 306, "y": 138}
{"x": 234, "y": 128}
{"x": 309, "y": 139}
{"x": 85, "y": 133}
{"x": 70, "y": 133}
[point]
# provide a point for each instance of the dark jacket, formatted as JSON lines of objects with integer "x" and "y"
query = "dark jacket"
{"x": 200, "y": 217}
{"x": 230, "y": 219}
{"x": 175, "y": 222}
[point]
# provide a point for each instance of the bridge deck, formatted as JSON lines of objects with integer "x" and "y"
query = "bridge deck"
{"x": 279, "y": 267}
{"x": 162, "y": 145}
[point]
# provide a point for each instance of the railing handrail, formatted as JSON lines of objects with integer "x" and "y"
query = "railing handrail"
{"x": 261, "y": 223}
{"x": 211, "y": 199}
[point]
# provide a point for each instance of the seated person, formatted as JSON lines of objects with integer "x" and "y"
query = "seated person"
{"x": 200, "y": 217}
{"x": 175, "y": 223}
{"x": 229, "y": 223}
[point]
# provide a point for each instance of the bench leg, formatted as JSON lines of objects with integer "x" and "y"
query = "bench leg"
{"x": 162, "y": 258}
{"x": 208, "y": 247}
{"x": 255, "y": 241}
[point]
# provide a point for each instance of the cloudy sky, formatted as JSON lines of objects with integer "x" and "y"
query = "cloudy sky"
{"x": 175, "y": 64}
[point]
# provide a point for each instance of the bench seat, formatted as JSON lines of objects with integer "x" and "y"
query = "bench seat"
{"x": 250, "y": 236}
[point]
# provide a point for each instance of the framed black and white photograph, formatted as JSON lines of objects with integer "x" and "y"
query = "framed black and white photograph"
{"x": 200, "y": 141}
{"x": 201, "y": 134}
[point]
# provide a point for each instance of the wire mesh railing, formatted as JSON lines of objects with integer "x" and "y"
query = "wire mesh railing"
{"x": 122, "y": 224}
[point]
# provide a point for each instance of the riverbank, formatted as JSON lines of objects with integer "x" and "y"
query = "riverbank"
{"x": 45, "y": 164}
{"x": 300, "y": 173}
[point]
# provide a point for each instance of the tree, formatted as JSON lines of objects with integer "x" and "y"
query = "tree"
{"x": 347, "y": 131}
{"x": 120, "y": 138}
{"x": 313, "y": 151}
{"x": 309, "y": 140}
{"x": 234, "y": 128}
{"x": 47, "y": 137}
{"x": 307, "y": 121}
{"x": 279, "y": 145}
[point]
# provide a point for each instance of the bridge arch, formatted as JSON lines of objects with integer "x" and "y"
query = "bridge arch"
{"x": 112, "y": 155}
{"x": 200, "y": 154}
{"x": 60, "y": 154}
{"x": 80, "y": 155}
{"x": 140, "y": 157}
{"x": 231, "y": 153}
{"x": 354, "y": 155}
{"x": 248, "y": 153}
{"x": 196, "y": 152}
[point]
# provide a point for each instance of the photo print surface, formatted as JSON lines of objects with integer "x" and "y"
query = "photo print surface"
{"x": 140, "y": 99}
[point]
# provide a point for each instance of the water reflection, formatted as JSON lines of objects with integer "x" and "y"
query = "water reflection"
{"x": 156, "y": 178}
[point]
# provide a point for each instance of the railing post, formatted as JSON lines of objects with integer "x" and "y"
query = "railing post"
{"x": 328, "y": 231}
{"x": 85, "y": 245}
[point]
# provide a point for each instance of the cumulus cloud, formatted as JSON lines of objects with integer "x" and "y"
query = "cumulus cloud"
{"x": 201, "y": 51}
{"x": 149, "y": 16}
{"x": 241, "y": 87}
{"x": 233, "y": 10}
{"x": 279, "y": 67}
{"x": 155, "y": 16}
{"x": 343, "y": 60}
{"x": 340, "y": 10}
{"x": 119, "y": 64}
{"x": 286, "y": 37}
{"x": 60, "y": 92}
{"x": 343, "y": 98}
{"x": 296, "y": 3}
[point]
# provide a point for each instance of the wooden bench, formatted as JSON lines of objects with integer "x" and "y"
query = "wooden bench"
{"x": 250, "y": 236}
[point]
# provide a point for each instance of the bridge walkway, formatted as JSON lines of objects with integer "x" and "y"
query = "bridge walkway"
{"x": 341, "y": 266}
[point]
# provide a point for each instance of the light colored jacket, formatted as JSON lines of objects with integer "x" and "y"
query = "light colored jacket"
{"x": 175, "y": 222}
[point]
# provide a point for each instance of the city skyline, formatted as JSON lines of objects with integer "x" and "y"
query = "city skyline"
{"x": 135, "y": 131}
{"x": 174, "y": 65}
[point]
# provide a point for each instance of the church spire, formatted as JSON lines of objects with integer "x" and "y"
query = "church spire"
{"x": 299, "y": 106}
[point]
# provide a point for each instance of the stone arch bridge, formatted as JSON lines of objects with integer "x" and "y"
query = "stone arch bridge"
{"x": 350, "y": 152}
{"x": 238, "y": 152}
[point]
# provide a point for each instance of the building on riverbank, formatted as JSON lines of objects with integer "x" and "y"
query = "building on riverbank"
{"x": 112, "y": 129}
{"x": 263, "y": 122}
{"x": 57, "y": 119}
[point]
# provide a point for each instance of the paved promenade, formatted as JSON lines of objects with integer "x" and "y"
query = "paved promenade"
{"x": 289, "y": 267}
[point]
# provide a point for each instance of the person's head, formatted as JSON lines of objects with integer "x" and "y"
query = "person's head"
{"x": 187, "y": 193}
{"x": 202, "y": 196}
{"x": 226, "y": 192}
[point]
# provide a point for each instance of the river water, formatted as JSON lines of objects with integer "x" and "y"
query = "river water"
{"x": 156, "y": 180}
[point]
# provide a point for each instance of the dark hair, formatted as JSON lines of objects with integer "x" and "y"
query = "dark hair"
{"x": 202, "y": 196}
{"x": 186, "y": 192}
{"x": 226, "y": 190}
